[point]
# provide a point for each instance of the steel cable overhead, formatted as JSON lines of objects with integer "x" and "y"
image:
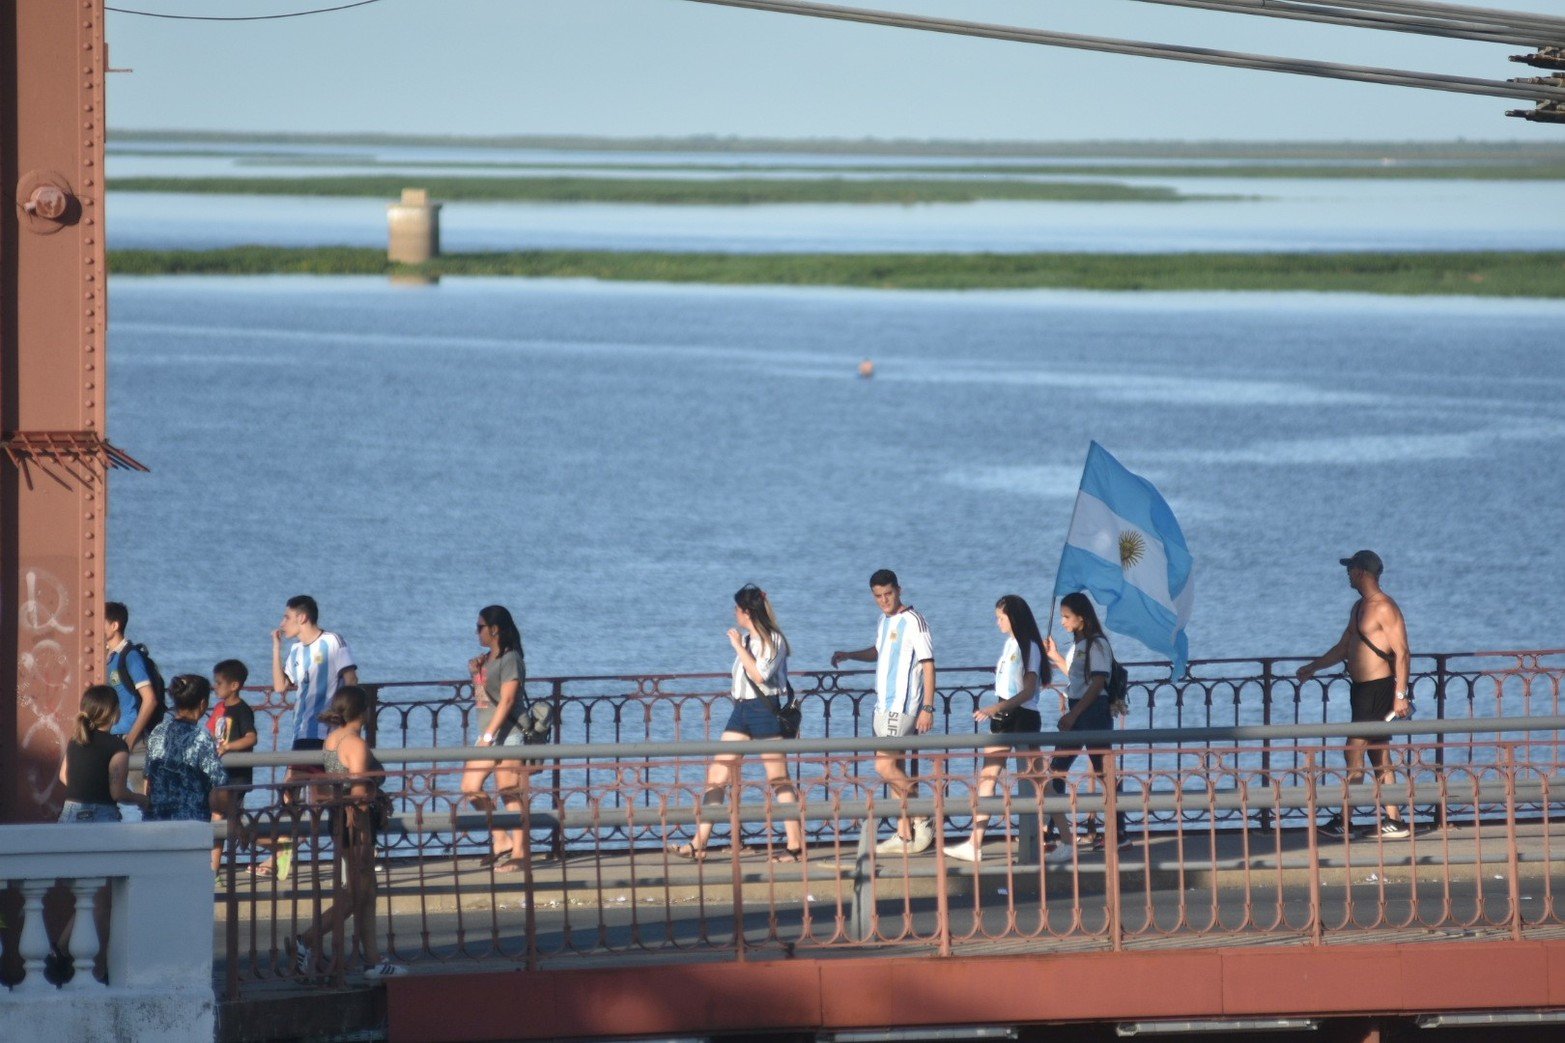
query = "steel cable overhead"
{"x": 1545, "y": 91}
{"x": 1338, "y": 12}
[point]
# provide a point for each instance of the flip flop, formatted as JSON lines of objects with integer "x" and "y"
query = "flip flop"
{"x": 260, "y": 869}
{"x": 510, "y": 865}
{"x": 789, "y": 854}
{"x": 495, "y": 858}
{"x": 689, "y": 852}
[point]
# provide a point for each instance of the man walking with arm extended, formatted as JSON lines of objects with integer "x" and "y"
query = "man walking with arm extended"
{"x": 1374, "y": 646}
{"x": 904, "y": 698}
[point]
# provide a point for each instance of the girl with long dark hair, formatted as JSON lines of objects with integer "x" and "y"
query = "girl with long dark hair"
{"x": 1087, "y": 667}
{"x": 760, "y": 683}
{"x": 499, "y": 676}
{"x": 1019, "y": 675}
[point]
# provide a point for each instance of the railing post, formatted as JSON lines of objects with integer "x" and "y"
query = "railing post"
{"x": 85, "y": 941}
{"x": 33, "y": 945}
{"x": 1513, "y": 860}
{"x": 1440, "y": 682}
{"x": 529, "y": 915}
{"x": 1265, "y": 817}
{"x": 861, "y": 915}
{"x": 942, "y": 890}
{"x": 557, "y": 834}
{"x": 1111, "y": 894}
{"x": 1317, "y": 928}
{"x": 231, "y": 897}
{"x": 736, "y": 847}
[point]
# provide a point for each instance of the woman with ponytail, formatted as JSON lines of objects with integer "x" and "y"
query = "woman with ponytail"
{"x": 354, "y": 811}
{"x": 96, "y": 763}
{"x": 760, "y": 683}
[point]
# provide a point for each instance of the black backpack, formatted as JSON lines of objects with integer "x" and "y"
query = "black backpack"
{"x": 154, "y": 678}
{"x": 1117, "y": 690}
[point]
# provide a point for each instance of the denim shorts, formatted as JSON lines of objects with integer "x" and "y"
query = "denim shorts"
{"x": 76, "y": 811}
{"x": 509, "y": 734}
{"x": 756, "y": 718}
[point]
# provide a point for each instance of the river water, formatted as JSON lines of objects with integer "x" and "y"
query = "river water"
{"x": 613, "y": 460}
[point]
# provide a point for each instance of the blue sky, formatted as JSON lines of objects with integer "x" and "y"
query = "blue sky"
{"x": 669, "y": 68}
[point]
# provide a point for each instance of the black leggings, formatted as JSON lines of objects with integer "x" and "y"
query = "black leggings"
{"x": 1060, "y": 763}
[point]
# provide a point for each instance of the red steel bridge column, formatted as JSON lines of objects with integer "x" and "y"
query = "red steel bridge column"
{"x": 53, "y": 307}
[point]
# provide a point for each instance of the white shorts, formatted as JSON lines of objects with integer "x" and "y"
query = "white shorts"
{"x": 894, "y": 725}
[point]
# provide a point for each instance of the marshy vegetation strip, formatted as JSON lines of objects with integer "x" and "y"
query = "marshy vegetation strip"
{"x": 1347, "y": 170}
{"x": 669, "y": 191}
{"x": 1484, "y": 274}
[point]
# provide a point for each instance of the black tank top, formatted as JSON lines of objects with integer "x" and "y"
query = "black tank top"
{"x": 87, "y": 768}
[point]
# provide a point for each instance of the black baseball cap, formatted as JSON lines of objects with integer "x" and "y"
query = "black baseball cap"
{"x": 1367, "y": 560}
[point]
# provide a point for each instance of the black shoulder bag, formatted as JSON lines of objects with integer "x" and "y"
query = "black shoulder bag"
{"x": 789, "y": 716}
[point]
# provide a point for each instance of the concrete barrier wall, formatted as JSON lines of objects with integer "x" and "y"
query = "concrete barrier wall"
{"x": 159, "y": 949}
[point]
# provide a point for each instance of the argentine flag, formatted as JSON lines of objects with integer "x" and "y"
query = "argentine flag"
{"x": 1126, "y": 550}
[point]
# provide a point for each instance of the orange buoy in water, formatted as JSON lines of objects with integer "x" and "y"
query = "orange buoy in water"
{"x": 867, "y": 368}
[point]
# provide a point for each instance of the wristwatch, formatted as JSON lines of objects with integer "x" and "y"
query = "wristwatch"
{"x": 928, "y": 708}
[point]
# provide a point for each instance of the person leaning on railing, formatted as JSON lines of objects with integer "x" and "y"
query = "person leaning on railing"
{"x": 760, "y": 683}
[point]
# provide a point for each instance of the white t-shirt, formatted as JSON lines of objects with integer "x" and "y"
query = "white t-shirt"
{"x": 1010, "y": 672}
{"x": 1102, "y": 662}
{"x": 771, "y": 664}
{"x": 901, "y": 644}
{"x": 316, "y": 669}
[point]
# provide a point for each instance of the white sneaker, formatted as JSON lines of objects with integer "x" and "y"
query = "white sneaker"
{"x": 923, "y": 836}
{"x": 303, "y": 957}
{"x": 384, "y": 969}
{"x": 894, "y": 845}
{"x": 1061, "y": 853}
{"x": 965, "y": 852}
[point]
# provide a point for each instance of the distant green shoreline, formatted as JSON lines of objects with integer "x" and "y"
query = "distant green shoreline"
{"x": 1483, "y": 274}
{"x": 667, "y": 191}
{"x": 1499, "y": 151}
{"x": 1385, "y": 169}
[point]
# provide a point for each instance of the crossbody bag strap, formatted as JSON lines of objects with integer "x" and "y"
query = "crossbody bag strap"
{"x": 773, "y": 702}
{"x": 1390, "y": 657}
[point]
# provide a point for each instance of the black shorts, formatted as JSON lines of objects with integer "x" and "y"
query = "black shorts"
{"x": 1373, "y": 700}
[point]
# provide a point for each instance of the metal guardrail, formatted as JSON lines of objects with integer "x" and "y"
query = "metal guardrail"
{"x": 1223, "y": 693}
{"x": 1480, "y": 863}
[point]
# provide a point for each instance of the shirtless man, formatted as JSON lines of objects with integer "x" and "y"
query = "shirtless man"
{"x": 1374, "y": 646}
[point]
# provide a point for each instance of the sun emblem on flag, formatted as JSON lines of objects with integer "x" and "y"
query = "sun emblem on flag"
{"x": 1132, "y": 548}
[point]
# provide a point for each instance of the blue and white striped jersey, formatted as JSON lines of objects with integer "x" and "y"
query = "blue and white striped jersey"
{"x": 901, "y": 644}
{"x": 317, "y": 671}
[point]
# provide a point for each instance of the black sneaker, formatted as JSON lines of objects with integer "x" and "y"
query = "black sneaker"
{"x": 1393, "y": 829}
{"x": 1332, "y": 827}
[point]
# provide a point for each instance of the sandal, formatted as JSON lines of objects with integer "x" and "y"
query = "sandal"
{"x": 789, "y": 854}
{"x": 261, "y": 868}
{"x": 495, "y": 859}
{"x": 688, "y": 852}
{"x": 508, "y": 865}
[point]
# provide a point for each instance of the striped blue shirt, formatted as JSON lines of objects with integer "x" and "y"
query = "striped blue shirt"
{"x": 316, "y": 671}
{"x": 902, "y": 646}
